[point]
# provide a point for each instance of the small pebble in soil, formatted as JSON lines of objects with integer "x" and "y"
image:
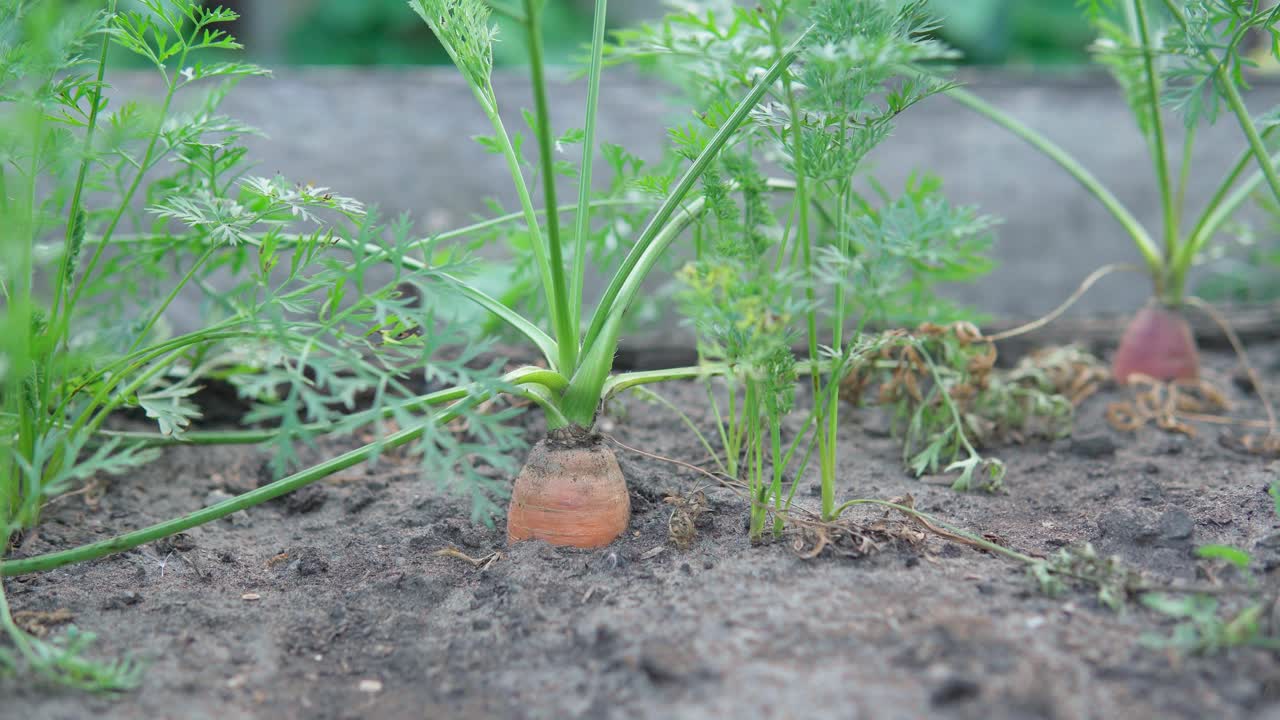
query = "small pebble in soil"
{"x": 955, "y": 689}
{"x": 880, "y": 427}
{"x": 1267, "y": 552}
{"x": 1144, "y": 527}
{"x": 1093, "y": 446}
{"x": 310, "y": 563}
{"x": 121, "y": 601}
{"x": 458, "y": 531}
{"x": 1270, "y": 542}
{"x": 1241, "y": 380}
{"x": 666, "y": 662}
{"x": 1176, "y": 525}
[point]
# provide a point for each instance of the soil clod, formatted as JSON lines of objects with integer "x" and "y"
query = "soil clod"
{"x": 309, "y": 563}
{"x": 1093, "y": 447}
{"x": 667, "y": 662}
{"x": 360, "y": 498}
{"x": 122, "y": 601}
{"x": 305, "y": 500}
{"x": 955, "y": 689}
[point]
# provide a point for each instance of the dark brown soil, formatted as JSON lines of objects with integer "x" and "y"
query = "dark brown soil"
{"x": 334, "y": 604}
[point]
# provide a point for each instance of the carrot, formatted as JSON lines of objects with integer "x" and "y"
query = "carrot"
{"x": 570, "y": 492}
{"x": 1158, "y": 343}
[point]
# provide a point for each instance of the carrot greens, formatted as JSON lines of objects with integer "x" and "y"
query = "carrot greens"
{"x": 327, "y": 319}
{"x": 1188, "y": 57}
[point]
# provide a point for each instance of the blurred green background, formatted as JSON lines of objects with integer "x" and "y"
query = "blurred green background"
{"x": 386, "y": 32}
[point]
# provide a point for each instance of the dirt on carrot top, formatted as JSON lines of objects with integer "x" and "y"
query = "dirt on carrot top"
{"x": 371, "y": 595}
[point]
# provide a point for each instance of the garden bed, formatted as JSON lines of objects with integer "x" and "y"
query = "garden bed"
{"x": 336, "y": 602}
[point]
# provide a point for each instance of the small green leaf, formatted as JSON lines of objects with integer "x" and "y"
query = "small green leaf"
{"x": 1175, "y": 606}
{"x": 927, "y": 459}
{"x": 1235, "y": 556}
{"x": 489, "y": 143}
{"x": 572, "y": 136}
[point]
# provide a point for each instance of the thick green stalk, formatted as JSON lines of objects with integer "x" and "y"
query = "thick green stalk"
{"x": 1149, "y": 250}
{"x": 805, "y": 242}
{"x": 499, "y": 309}
{"x": 1256, "y": 143}
{"x": 547, "y": 402}
{"x": 586, "y": 387}
{"x": 612, "y": 303}
{"x": 22, "y": 376}
{"x": 776, "y": 459}
{"x": 623, "y": 381}
{"x": 582, "y": 221}
{"x": 566, "y": 327}
{"x": 482, "y": 90}
{"x": 601, "y": 339}
{"x": 827, "y": 464}
{"x": 31, "y": 360}
{"x": 830, "y": 401}
{"x": 1159, "y": 154}
{"x": 755, "y": 461}
{"x": 130, "y": 540}
{"x": 530, "y": 217}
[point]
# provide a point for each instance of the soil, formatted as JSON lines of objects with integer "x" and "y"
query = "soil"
{"x": 333, "y": 602}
